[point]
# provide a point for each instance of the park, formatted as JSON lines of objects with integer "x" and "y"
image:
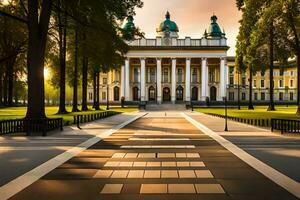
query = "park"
{"x": 145, "y": 99}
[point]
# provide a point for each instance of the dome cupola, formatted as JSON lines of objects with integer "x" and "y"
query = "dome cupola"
{"x": 214, "y": 28}
{"x": 168, "y": 28}
{"x": 129, "y": 29}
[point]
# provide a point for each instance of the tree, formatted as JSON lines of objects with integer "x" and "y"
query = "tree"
{"x": 244, "y": 55}
{"x": 13, "y": 41}
{"x": 37, "y": 18}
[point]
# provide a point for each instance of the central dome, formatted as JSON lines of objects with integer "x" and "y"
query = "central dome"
{"x": 167, "y": 27}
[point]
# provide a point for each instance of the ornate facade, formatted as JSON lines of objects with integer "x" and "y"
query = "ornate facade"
{"x": 170, "y": 69}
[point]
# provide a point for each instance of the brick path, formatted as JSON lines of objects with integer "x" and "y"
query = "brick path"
{"x": 159, "y": 156}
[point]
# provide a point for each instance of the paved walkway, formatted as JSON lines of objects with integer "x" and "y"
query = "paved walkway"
{"x": 20, "y": 154}
{"x": 161, "y": 155}
{"x": 281, "y": 152}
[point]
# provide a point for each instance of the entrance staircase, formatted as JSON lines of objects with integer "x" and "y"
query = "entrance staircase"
{"x": 165, "y": 107}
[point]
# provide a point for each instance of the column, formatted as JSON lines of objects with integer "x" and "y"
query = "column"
{"x": 204, "y": 79}
{"x": 222, "y": 79}
{"x": 188, "y": 80}
{"x": 158, "y": 80}
{"x": 127, "y": 81}
{"x": 173, "y": 91}
{"x": 122, "y": 81}
{"x": 143, "y": 80}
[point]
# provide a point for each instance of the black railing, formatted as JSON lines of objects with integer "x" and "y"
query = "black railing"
{"x": 30, "y": 125}
{"x": 254, "y": 122}
{"x": 78, "y": 119}
{"x": 285, "y": 125}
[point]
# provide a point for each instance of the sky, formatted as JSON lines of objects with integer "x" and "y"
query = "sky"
{"x": 191, "y": 16}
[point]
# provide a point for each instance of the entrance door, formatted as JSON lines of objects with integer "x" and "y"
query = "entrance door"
{"x": 135, "y": 94}
{"x": 213, "y": 93}
{"x": 179, "y": 93}
{"x": 195, "y": 94}
{"x": 166, "y": 94}
{"x": 152, "y": 95}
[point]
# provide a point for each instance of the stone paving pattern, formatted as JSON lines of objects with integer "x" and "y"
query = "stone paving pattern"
{"x": 107, "y": 171}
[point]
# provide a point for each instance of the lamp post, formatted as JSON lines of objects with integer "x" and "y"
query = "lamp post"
{"x": 239, "y": 91}
{"x": 226, "y": 116}
{"x": 107, "y": 97}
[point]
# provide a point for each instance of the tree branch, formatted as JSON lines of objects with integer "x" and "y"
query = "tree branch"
{"x": 5, "y": 14}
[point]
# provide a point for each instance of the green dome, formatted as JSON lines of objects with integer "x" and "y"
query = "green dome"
{"x": 168, "y": 25}
{"x": 214, "y": 29}
{"x": 129, "y": 29}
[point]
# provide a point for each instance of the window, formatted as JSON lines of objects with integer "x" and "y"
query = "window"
{"x": 281, "y": 72}
{"x": 243, "y": 96}
{"x": 103, "y": 96}
{"x": 292, "y": 96}
{"x": 280, "y": 96}
{"x": 262, "y": 73}
{"x": 117, "y": 75}
{"x": 166, "y": 75}
{"x": 231, "y": 80}
{"x": 179, "y": 75}
{"x": 292, "y": 83}
{"x": 90, "y": 96}
{"x": 152, "y": 75}
{"x": 263, "y": 96}
{"x": 194, "y": 76}
{"x": 104, "y": 81}
{"x": 244, "y": 81}
{"x": 231, "y": 70}
{"x": 292, "y": 73}
{"x": 262, "y": 83}
{"x": 281, "y": 83}
{"x": 212, "y": 75}
{"x": 254, "y": 83}
{"x": 136, "y": 75}
{"x": 255, "y": 96}
{"x": 231, "y": 96}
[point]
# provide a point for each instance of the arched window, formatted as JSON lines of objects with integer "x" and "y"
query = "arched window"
{"x": 116, "y": 93}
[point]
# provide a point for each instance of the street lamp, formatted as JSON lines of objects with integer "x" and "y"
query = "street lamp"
{"x": 226, "y": 116}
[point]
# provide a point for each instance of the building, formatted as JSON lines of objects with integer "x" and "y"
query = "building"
{"x": 168, "y": 69}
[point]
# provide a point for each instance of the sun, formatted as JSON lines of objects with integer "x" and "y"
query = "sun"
{"x": 46, "y": 73}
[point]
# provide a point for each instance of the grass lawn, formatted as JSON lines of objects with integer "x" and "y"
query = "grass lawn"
{"x": 19, "y": 112}
{"x": 260, "y": 112}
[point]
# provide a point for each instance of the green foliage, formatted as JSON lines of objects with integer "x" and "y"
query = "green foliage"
{"x": 260, "y": 112}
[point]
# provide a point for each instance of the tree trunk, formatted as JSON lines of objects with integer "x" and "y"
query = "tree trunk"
{"x": 5, "y": 89}
{"x": 94, "y": 88}
{"x": 97, "y": 106}
{"x": 1, "y": 90}
{"x": 250, "y": 106}
{"x": 10, "y": 75}
{"x": 75, "y": 81}
{"x": 62, "y": 58}
{"x": 38, "y": 25}
{"x": 271, "y": 104}
{"x": 84, "y": 84}
{"x": 298, "y": 83}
